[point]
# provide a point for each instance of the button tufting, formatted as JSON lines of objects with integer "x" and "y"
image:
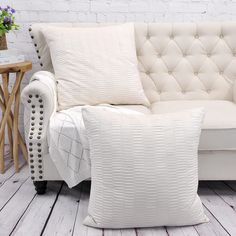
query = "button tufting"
{"x": 182, "y": 66}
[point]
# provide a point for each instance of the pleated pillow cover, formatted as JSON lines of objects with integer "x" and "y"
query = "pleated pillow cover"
{"x": 144, "y": 169}
{"x": 95, "y": 65}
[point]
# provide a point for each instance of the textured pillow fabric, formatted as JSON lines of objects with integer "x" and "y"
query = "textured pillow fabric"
{"x": 95, "y": 65}
{"x": 144, "y": 169}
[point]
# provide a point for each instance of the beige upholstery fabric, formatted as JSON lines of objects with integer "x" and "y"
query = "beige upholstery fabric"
{"x": 218, "y": 139}
{"x": 132, "y": 164}
{"x": 219, "y": 114}
{"x": 234, "y": 92}
{"x": 187, "y": 61}
{"x": 39, "y": 102}
{"x": 219, "y": 126}
{"x": 94, "y": 66}
{"x": 176, "y": 61}
{"x": 200, "y": 66}
{"x": 40, "y": 44}
{"x": 69, "y": 144}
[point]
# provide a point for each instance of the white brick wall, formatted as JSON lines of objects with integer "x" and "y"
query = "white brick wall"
{"x": 30, "y": 11}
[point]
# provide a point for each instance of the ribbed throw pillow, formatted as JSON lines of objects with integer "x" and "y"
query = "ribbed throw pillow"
{"x": 144, "y": 169}
{"x": 95, "y": 65}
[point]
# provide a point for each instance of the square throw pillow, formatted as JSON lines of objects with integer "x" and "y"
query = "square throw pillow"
{"x": 144, "y": 169}
{"x": 95, "y": 65}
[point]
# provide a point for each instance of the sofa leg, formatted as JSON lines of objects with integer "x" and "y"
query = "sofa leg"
{"x": 40, "y": 187}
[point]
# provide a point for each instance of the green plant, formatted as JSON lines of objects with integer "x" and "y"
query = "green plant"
{"x": 7, "y": 20}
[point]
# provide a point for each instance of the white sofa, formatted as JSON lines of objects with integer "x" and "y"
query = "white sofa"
{"x": 182, "y": 65}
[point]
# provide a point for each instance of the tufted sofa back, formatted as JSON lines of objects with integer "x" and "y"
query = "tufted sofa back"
{"x": 188, "y": 61}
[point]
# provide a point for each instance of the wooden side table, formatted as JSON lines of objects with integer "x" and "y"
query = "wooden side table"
{"x": 9, "y": 119}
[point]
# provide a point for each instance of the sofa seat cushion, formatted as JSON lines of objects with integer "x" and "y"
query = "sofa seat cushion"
{"x": 219, "y": 126}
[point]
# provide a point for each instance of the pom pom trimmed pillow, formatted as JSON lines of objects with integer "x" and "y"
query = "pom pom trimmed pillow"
{"x": 144, "y": 169}
{"x": 95, "y": 65}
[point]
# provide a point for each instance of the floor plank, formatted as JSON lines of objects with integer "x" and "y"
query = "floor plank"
{"x": 37, "y": 213}
{"x": 231, "y": 184}
{"x": 212, "y": 228}
{"x": 61, "y": 221}
{"x": 120, "y": 232}
{"x": 9, "y": 173}
{"x": 159, "y": 231}
{"x": 219, "y": 208}
{"x": 23, "y": 213}
{"x": 112, "y": 232}
{"x": 79, "y": 228}
{"x": 15, "y": 208}
{"x": 10, "y": 170}
{"x": 182, "y": 231}
{"x": 225, "y": 192}
{"x": 128, "y": 232}
{"x": 12, "y": 185}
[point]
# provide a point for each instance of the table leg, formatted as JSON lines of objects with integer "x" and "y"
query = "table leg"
{"x": 6, "y": 98}
{"x": 2, "y": 164}
{"x": 19, "y": 76}
{"x": 10, "y": 122}
{"x": 9, "y": 103}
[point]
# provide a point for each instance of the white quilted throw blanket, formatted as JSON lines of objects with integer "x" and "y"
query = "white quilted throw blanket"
{"x": 69, "y": 145}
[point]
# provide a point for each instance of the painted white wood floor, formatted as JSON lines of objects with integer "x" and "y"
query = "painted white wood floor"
{"x": 61, "y": 210}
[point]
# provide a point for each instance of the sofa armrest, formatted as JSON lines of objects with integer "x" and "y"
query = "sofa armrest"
{"x": 40, "y": 102}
